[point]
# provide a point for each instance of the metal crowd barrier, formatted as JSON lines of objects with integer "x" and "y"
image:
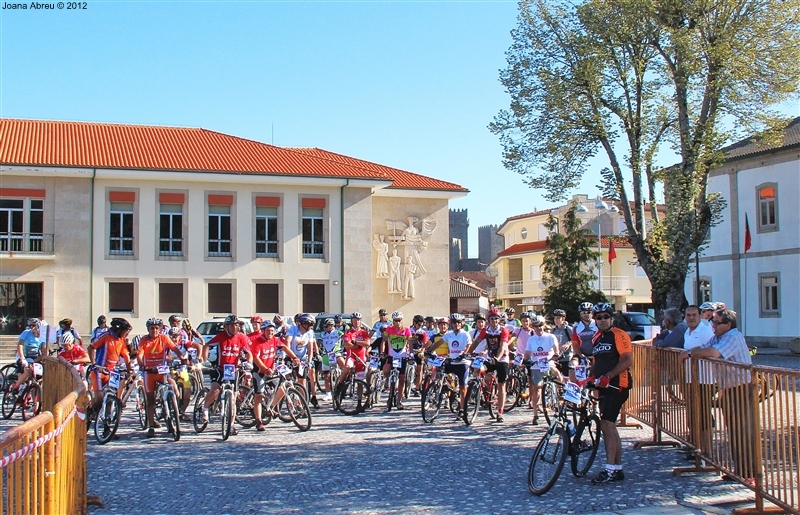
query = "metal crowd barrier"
{"x": 43, "y": 460}
{"x": 741, "y": 420}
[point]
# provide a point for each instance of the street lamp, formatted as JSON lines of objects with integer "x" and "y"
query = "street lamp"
{"x": 599, "y": 206}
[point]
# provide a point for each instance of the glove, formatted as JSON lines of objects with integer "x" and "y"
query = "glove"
{"x": 602, "y": 382}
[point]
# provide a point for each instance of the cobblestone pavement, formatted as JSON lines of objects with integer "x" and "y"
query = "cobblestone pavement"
{"x": 382, "y": 463}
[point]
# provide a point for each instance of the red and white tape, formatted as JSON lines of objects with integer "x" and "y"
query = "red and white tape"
{"x": 19, "y": 453}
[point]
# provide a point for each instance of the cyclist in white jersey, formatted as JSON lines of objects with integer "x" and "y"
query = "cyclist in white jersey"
{"x": 457, "y": 341}
{"x": 331, "y": 344}
{"x": 541, "y": 350}
{"x": 582, "y": 333}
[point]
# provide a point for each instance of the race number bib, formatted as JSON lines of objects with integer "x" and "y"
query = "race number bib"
{"x": 361, "y": 375}
{"x": 580, "y": 372}
{"x": 331, "y": 358}
{"x": 38, "y": 369}
{"x": 435, "y": 362}
{"x": 544, "y": 364}
{"x": 572, "y": 393}
{"x": 478, "y": 362}
{"x": 193, "y": 354}
{"x": 301, "y": 369}
{"x": 229, "y": 372}
{"x": 163, "y": 369}
{"x": 374, "y": 362}
{"x": 397, "y": 362}
{"x": 518, "y": 360}
{"x": 283, "y": 370}
{"x": 113, "y": 381}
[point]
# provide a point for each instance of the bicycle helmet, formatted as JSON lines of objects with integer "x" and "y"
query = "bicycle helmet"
{"x": 174, "y": 318}
{"x": 480, "y": 316}
{"x": 418, "y": 319}
{"x": 603, "y": 308}
{"x": 356, "y": 316}
{"x": 256, "y": 320}
{"x": 559, "y": 313}
{"x": 397, "y": 315}
{"x": 67, "y": 338}
{"x": 337, "y": 319}
{"x": 278, "y": 320}
{"x": 494, "y": 312}
{"x": 119, "y": 325}
{"x": 705, "y": 306}
{"x": 187, "y": 326}
{"x": 524, "y": 315}
{"x": 33, "y": 321}
{"x": 329, "y": 321}
{"x": 429, "y": 319}
{"x": 537, "y": 320}
{"x": 456, "y": 317}
{"x": 135, "y": 341}
{"x": 503, "y": 317}
{"x": 154, "y": 321}
{"x": 231, "y": 319}
{"x": 585, "y": 306}
{"x": 306, "y": 318}
{"x": 267, "y": 323}
{"x": 510, "y": 311}
{"x": 174, "y": 331}
{"x": 382, "y": 312}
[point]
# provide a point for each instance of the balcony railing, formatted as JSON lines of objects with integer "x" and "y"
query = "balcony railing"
{"x": 313, "y": 249}
{"x": 26, "y": 243}
{"x": 520, "y": 288}
{"x": 614, "y": 285}
{"x": 266, "y": 248}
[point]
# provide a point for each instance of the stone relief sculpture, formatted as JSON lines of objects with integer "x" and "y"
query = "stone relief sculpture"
{"x": 409, "y": 236}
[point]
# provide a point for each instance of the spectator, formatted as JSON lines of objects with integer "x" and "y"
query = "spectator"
{"x": 697, "y": 335}
{"x": 100, "y": 330}
{"x": 735, "y": 389}
{"x": 676, "y": 328}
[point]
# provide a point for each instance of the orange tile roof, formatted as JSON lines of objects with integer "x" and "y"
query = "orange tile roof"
{"x": 535, "y": 246}
{"x": 142, "y": 147}
{"x": 402, "y": 179}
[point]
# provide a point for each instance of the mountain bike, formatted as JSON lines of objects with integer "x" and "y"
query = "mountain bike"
{"x": 375, "y": 380}
{"x": 29, "y": 396}
{"x": 352, "y": 395}
{"x": 393, "y": 381}
{"x": 438, "y": 387}
{"x": 167, "y": 403}
{"x": 573, "y": 432}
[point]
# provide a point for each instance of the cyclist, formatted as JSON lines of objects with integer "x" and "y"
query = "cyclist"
{"x": 582, "y": 335}
{"x": 302, "y": 342}
{"x": 480, "y": 323}
{"x": 434, "y": 342}
{"x": 281, "y": 327}
{"x": 417, "y": 346}
{"x": 613, "y": 357}
{"x": 707, "y": 312}
{"x": 264, "y": 349}
{"x": 331, "y": 343}
{"x": 396, "y": 345}
{"x": 431, "y": 326}
{"x": 339, "y": 323}
{"x": 542, "y": 349}
{"x": 105, "y": 353}
{"x": 175, "y": 321}
{"x": 255, "y": 321}
{"x": 194, "y": 336}
{"x": 496, "y": 338}
{"x": 100, "y": 330}
{"x": 30, "y": 347}
{"x": 356, "y": 342}
{"x": 518, "y": 337}
{"x": 378, "y": 327}
{"x": 455, "y": 342}
{"x": 65, "y": 326}
{"x": 231, "y": 344}
{"x": 563, "y": 333}
{"x": 191, "y": 350}
{"x": 154, "y": 350}
{"x": 510, "y": 320}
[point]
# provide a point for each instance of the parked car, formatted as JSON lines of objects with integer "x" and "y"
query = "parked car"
{"x": 209, "y": 328}
{"x": 634, "y": 323}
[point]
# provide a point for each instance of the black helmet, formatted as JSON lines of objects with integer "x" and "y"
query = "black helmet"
{"x": 101, "y": 319}
{"x": 559, "y": 313}
{"x": 231, "y": 319}
{"x": 429, "y": 319}
{"x": 119, "y": 326}
{"x": 479, "y": 316}
{"x": 603, "y": 308}
{"x": 337, "y": 318}
{"x": 585, "y": 306}
{"x": 418, "y": 319}
{"x": 382, "y": 312}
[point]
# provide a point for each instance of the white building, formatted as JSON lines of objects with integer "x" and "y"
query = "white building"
{"x": 139, "y": 221}
{"x": 762, "y": 184}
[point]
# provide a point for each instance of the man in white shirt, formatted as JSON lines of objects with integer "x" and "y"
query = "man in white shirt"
{"x": 697, "y": 335}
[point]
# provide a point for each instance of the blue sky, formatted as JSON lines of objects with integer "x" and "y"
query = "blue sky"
{"x": 411, "y": 85}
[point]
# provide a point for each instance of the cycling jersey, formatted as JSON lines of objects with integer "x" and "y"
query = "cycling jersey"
{"x": 266, "y": 349}
{"x": 441, "y": 350}
{"x": 457, "y": 342}
{"x": 299, "y": 342}
{"x": 378, "y": 327}
{"x": 74, "y": 354}
{"x": 420, "y": 338}
{"x": 31, "y": 344}
{"x": 332, "y": 341}
{"x": 109, "y": 349}
{"x": 154, "y": 352}
{"x": 97, "y": 332}
{"x": 522, "y": 335}
{"x": 494, "y": 341}
{"x": 397, "y": 340}
{"x": 582, "y": 334}
{"x": 608, "y": 346}
{"x": 230, "y": 347}
{"x": 353, "y": 335}
{"x": 541, "y": 347}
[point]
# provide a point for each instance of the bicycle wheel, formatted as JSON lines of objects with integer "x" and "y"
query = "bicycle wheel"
{"x": 8, "y": 375}
{"x": 9, "y": 403}
{"x": 107, "y": 423}
{"x": 298, "y": 409}
{"x": 172, "y": 415}
{"x": 227, "y": 414}
{"x": 472, "y": 403}
{"x": 512, "y": 392}
{"x": 31, "y": 402}
{"x": 411, "y": 377}
{"x": 391, "y": 400}
{"x": 352, "y": 396}
{"x": 376, "y": 387}
{"x": 245, "y": 416}
{"x": 453, "y": 401}
{"x": 548, "y": 460}
{"x": 550, "y": 401}
{"x": 432, "y": 402}
{"x": 584, "y": 445}
{"x": 197, "y": 415}
{"x": 141, "y": 403}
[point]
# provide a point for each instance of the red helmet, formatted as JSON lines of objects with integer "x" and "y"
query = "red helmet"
{"x": 256, "y": 321}
{"x": 494, "y": 312}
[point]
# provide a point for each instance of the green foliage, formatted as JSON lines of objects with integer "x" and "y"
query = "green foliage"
{"x": 568, "y": 266}
{"x": 632, "y": 78}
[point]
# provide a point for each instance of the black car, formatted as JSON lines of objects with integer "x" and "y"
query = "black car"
{"x": 634, "y": 323}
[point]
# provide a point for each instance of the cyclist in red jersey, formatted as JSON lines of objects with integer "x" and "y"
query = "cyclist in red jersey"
{"x": 255, "y": 320}
{"x": 232, "y": 345}
{"x": 264, "y": 348}
{"x": 105, "y": 352}
{"x": 356, "y": 342}
{"x": 496, "y": 337}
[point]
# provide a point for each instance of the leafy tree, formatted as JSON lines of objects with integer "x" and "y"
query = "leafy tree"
{"x": 631, "y": 78}
{"x": 568, "y": 264}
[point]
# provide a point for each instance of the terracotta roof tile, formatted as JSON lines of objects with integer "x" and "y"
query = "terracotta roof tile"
{"x": 536, "y": 246}
{"x": 143, "y": 147}
{"x": 480, "y": 279}
{"x": 462, "y": 290}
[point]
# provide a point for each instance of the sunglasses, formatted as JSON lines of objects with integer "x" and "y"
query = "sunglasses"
{"x": 602, "y": 317}
{"x": 714, "y": 322}
{"x": 586, "y": 312}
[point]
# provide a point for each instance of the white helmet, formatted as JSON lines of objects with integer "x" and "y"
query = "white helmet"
{"x": 67, "y": 338}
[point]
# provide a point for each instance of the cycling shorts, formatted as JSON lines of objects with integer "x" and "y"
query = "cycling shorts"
{"x": 215, "y": 375}
{"x": 459, "y": 369}
{"x": 97, "y": 380}
{"x": 151, "y": 379}
{"x": 387, "y": 362}
{"x": 611, "y": 401}
{"x": 261, "y": 382}
{"x": 501, "y": 367}
{"x": 182, "y": 378}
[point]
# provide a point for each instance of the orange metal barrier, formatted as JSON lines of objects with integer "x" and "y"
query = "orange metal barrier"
{"x": 741, "y": 420}
{"x": 44, "y": 459}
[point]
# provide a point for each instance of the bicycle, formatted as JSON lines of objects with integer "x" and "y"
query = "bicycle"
{"x": 167, "y": 403}
{"x": 107, "y": 416}
{"x": 394, "y": 383}
{"x": 28, "y": 398}
{"x": 481, "y": 391}
{"x": 439, "y": 386}
{"x": 375, "y": 380}
{"x": 351, "y": 397}
{"x": 574, "y": 431}
{"x": 293, "y": 406}
{"x": 8, "y": 375}
{"x": 224, "y": 404}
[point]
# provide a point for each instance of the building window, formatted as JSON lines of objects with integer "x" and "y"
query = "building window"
{"x": 535, "y": 273}
{"x": 767, "y": 207}
{"x": 267, "y": 232}
{"x": 170, "y": 298}
{"x": 12, "y": 213}
{"x": 313, "y": 243}
{"x": 638, "y": 271}
{"x": 170, "y": 237}
{"x": 121, "y": 239}
{"x": 19, "y": 302}
{"x": 219, "y": 231}
{"x": 705, "y": 291}
{"x": 523, "y": 233}
{"x": 267, "y": 300}
{"x": 769, "y": 295}
{"x": 220, "y": 298}
{"x": 121, "y": 297}
{"x": 314, "y": 298}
